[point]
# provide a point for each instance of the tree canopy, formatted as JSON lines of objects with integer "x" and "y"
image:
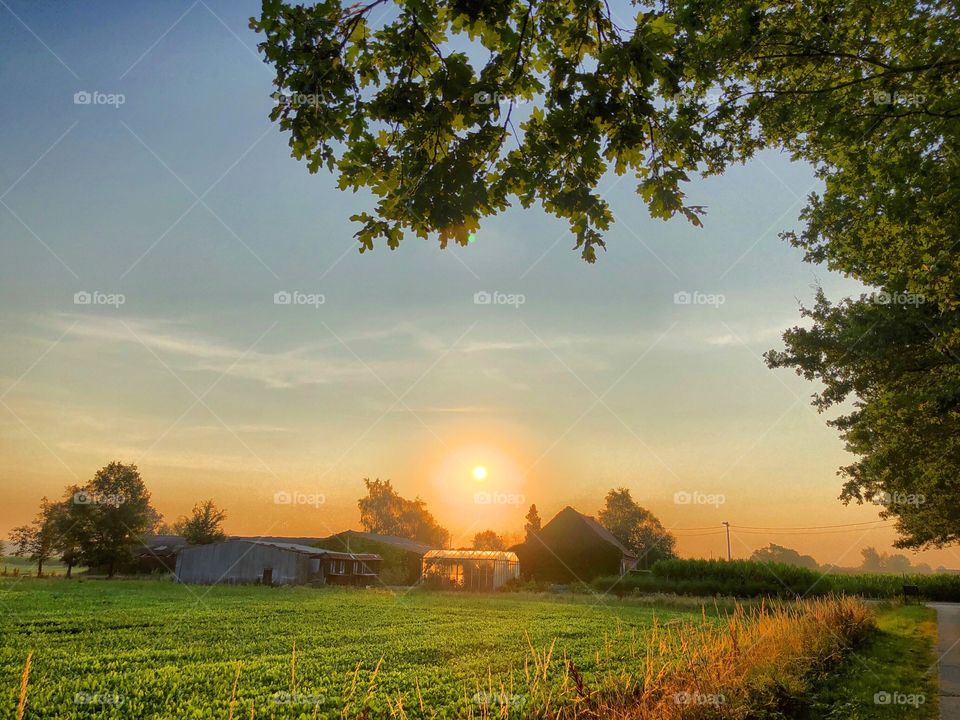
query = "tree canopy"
{"x": 488, "y": 540}
{"x": 204, "y": 525}
{"x": 384, "y": 511}
{"x": 636, "y": 527}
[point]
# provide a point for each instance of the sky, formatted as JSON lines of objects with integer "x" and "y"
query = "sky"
{"x": 171, "y": 203}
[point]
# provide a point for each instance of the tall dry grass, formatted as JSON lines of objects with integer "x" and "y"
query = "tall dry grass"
{"x": 757, "y": 661}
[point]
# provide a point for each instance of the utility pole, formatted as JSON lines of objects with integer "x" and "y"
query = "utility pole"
{"x": 728, "y": 539}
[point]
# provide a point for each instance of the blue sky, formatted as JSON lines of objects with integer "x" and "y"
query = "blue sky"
{"x": 184, "y": 200}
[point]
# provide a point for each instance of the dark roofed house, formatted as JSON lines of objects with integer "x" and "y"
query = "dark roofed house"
{"x": 156, "y": 554}
{"x": 274, "y": 562}
{"x": 402, "y": 557}
{"x": 572, "y": 547}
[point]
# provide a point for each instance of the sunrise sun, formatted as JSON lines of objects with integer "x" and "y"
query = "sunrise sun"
{"x": 479, "y": 473}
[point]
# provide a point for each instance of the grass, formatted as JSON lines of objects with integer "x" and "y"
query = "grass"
{"x": 896, "y": 664}
{"x": 153, "y": 649}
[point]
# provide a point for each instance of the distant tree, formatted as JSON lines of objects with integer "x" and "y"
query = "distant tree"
{"x": 120, "y": 513}
{"x": 72, "y": 526}
{"x": 204, "y": 526}
{"x": 872, "y": 560}
{"x": 533, "y": 524}
{"x": 780, "y": 554}
{"x": 488, "y": 540}
{"x": 36, "y": 541}
{"x": 636, "y": 527}
{"x": 384, "y": 511}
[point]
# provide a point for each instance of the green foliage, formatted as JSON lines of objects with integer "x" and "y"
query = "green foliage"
{"x": 894, "y": 369}
{"x": 385, "y": 512}
{"x": 749, "y": 579}
{"x": 204, "y": 526}
{"x": 169, "y": 656}
{"x": 636, "y": 527}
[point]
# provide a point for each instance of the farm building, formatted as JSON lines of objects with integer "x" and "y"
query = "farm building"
{"x": 157, "y": 553}
{"x": 572, "y": 547}
{"x": 480, "y": 570}
{"x": 273, "y": 563}
{"x": 402, "y": 557}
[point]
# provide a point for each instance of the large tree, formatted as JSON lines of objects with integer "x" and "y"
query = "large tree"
{"x": 562, "y": 91}
{"x": 636, "y": 527}
{"x": 780, "y": 554}
{"x": 384, "y": 511}
{"x": 488, "y": 540}
{"x": 120, "y": 513}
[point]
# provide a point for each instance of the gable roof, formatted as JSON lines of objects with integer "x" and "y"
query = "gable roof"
{"x": 405, "y": 544}
{"x": 599, "y": 530}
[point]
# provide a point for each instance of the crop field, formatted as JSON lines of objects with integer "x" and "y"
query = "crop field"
{"x": 154, "y": 649}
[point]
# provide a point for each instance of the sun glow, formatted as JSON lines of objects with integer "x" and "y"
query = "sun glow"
{"x": 479, "y": 473}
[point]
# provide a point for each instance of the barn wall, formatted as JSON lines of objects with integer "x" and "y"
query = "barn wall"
{"x": 240, "y": 562}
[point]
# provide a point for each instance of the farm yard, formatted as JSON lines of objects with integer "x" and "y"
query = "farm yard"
{"x": 153, "y": 649}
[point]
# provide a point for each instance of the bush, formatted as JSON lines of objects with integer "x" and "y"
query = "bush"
{"x": 748, "y": 579}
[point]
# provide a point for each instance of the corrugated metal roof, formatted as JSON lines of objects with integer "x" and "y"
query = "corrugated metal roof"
{"x": 315, "y": 551}
{"x": 471, "y": 555}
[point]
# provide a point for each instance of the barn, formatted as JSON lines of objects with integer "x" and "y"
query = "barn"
{"x": 479, "y": 570}
{"x": 273, "y": 563}
{"x": 572, "y": 547}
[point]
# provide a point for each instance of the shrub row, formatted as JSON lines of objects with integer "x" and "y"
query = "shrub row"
{"x": 746, "y": 578}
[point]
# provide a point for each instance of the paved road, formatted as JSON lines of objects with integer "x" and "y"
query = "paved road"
{"x": 948, "y": 650}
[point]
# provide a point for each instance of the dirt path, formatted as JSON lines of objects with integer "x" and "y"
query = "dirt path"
{"x": 948, "y": 652}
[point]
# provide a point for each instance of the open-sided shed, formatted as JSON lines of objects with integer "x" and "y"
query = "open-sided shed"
{"x": 273, "y": 563}
{"x": 480, "y": 570}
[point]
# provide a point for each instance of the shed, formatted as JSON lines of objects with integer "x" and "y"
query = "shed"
{"x": 480, "y": 570}
{"x": 402, "y": 557}
{"x": 273, "y": 563}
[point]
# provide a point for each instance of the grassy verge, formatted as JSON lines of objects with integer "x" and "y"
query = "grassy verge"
{"x": 892, "y": 675}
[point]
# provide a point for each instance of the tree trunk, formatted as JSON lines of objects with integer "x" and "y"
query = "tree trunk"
{"x": 39, "y": 567}
{"x": 110, "y": 569}
{"x": 69, "y": 570}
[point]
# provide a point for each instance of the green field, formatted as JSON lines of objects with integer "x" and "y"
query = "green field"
{"x": 154, "y": 649}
